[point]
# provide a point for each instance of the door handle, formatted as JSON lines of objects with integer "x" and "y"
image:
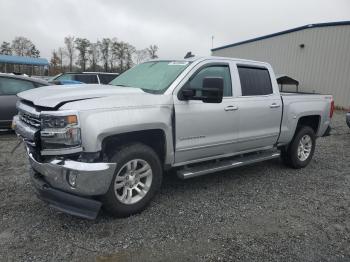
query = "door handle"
{"x": 231, "y": 108}
{"x": 274, "y": 105}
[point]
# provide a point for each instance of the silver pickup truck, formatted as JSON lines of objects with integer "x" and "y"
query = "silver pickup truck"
{"x": 93, "y": 146}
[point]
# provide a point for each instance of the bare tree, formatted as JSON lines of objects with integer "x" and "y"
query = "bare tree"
{"x": 94, "y": 55}
{"x": 82, "y": 45}
{"x": 20, "y": 45}
{"x": 104, "y": 47}
{"x": 55, "y": 61}
{"x": 113, "y": 53}
{"x": 141, "y": 55}
{"x": 130, "y": 51}
{"x": 60, "y": 53}
{"x": 5, "y": 48}
{"x": 152, "y": 51}
{"x": 24, "y": 47}
{"x": 70, "y": 48}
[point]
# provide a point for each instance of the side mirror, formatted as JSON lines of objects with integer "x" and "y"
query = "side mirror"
{"x": 213, "y": 89}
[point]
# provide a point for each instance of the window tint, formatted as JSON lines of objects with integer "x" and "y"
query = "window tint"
{"x": 254, "y": 81}
{"x": 106, "y": 78}
{"x": 10, "y": 86}
{"x": 88, "y": 79}
{"x": 212, "y": 71}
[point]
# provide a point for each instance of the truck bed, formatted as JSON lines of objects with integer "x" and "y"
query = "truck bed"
{"x": 297, "y": 105}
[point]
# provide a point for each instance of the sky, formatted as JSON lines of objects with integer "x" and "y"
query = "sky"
{"x": 176, "y": 26}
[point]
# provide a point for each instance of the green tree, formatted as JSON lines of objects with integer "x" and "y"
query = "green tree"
{"x": 123, "y": 52}
{"x": 5, "y": 48}
{"x": 33, "y": 52}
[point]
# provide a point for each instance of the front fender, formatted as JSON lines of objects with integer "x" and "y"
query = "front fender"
{"x": 99, "y": 124}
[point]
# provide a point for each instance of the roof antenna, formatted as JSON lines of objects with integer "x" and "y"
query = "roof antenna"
{"x": 189, "y": 55}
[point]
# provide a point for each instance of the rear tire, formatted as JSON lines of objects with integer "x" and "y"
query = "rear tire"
{"x": 136, "y": 180}
{"x": 299, "y": 152}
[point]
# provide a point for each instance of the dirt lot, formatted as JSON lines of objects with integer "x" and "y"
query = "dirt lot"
{"x": 264, "y": 212}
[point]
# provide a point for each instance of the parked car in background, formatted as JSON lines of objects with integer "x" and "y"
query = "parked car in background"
{"x": 348, "y": 119}
{"x": 10, "y": 85}
{"x": 84, "y": 77}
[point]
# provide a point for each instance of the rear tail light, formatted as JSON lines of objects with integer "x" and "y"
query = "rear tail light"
{"x": 331, "y": 111}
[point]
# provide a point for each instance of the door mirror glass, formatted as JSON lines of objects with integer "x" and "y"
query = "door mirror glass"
{"x": 212, "y": 90}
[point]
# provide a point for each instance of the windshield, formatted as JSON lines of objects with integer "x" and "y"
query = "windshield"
{"x": 154, "y": 77}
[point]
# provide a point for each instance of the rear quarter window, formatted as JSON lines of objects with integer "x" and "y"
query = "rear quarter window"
{"x": 106, "y": 78}
{"x": 255, "y": 81}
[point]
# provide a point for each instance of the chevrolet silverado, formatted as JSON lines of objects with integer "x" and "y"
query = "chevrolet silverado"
{"x": 92, "y": 146}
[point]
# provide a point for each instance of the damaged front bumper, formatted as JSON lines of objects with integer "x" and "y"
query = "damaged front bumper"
{"x": 53, "y": 181}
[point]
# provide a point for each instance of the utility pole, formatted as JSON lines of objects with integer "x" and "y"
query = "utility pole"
{"x": 212, "y": 41}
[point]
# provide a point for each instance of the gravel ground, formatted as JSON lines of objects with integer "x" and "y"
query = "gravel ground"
{"x": 264, "y": 212}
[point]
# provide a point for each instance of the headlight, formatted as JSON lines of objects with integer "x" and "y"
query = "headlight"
{"x": 59, "y": 131}
{"x": 48, "y": 121}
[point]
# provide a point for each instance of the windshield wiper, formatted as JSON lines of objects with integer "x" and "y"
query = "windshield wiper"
{"x": 151, "y": 91}
{"x": 122, "y": 85}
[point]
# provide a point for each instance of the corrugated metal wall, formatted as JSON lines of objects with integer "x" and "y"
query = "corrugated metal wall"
{"x": 322, "y": 66}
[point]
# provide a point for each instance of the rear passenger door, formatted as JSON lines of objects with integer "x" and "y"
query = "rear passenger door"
{"x": 260, "y": 108}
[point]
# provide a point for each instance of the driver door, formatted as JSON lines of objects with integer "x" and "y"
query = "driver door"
{"x": 205, "y": 129}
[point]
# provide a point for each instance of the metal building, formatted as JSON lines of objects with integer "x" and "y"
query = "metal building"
{"x": 317, "y": 55}
{"x": 23, "y": 64}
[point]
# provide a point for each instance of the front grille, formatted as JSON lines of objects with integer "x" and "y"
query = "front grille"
{"x": 29, "y": 114}
{"x": 28, "y": 126}
{"x": 29, "y": 119}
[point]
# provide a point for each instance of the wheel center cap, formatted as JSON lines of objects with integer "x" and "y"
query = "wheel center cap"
{"x": 131, "y": 178}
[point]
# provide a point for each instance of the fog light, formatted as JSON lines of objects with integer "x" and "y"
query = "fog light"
{"x": 72, "y": 178}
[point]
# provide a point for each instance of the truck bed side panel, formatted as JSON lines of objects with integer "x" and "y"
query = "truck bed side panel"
{"x": 297, "y": 106}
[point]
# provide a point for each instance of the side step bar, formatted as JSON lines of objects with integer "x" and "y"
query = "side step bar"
{"x": 220, "y": 165}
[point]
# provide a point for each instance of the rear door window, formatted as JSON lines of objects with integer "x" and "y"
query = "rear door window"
{"x": 11, "y": 86}
{"x": 255, "y": 81}
{"x": 85, "y": 78}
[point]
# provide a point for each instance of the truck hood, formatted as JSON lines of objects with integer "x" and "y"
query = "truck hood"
{"x": 53, "y": 96}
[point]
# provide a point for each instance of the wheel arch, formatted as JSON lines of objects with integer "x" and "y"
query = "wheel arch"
{"x": 312, "y": 121}
{"x": 154, "y": 138}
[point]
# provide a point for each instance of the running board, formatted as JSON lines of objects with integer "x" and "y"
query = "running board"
{"x": 220, "y": 165}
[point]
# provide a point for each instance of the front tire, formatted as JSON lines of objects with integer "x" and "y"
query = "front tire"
{"x": 136, "y": 180}
{"x": 299, "y": 152}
